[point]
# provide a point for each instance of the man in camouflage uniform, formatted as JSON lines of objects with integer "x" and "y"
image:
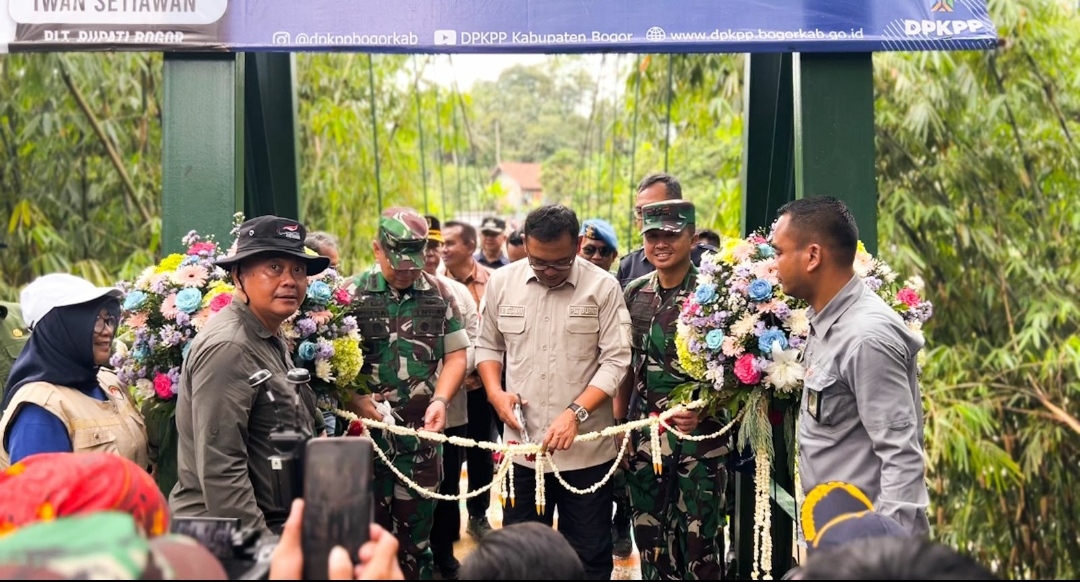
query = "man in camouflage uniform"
{"x": 414, "y": 343}
{"x": 678, "y": 515}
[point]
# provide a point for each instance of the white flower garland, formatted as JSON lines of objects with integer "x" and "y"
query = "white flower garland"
{"x": 762, "y": 519}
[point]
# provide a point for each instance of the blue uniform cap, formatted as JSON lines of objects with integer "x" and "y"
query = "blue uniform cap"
{"x": 601, "y": 230}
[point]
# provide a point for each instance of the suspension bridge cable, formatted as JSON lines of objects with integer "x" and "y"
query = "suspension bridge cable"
{"x": 667, "y": 122}
{"x": 374, "y": 129}
{"x": 612, "y": 170}
{"x": 420, "y": 131}
{"x": 633, "y": 150}
{"x": 439, "y": 143}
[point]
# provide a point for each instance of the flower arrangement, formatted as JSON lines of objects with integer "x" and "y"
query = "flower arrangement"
{"x": 163, "y": 310}
{"x": 741, "y": 338}
{"x": 325, "y": 338}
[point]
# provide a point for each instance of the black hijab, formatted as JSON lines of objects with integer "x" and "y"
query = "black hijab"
{"x": 61, "y": 349}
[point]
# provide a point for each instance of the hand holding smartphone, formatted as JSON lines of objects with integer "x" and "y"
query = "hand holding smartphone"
{"x": 338, "y": 504}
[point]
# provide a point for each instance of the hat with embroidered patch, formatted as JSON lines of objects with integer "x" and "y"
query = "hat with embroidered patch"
{"x": 403, "y": 234}
{"x": 273, "y": 234}
{"x": 836, "y": 513}
{"x": 601, "y": 230}
{"x": 669, "y": 215}
{"x": 493, "y": 225}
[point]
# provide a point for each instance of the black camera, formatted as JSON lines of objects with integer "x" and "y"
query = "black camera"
{"x": 244, "y": 553}
{"x": 288, "y": 462}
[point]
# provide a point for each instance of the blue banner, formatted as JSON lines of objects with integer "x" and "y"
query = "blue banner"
{"x": 497, "y": 26}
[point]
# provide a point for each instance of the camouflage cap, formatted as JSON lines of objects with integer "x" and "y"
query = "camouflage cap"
{"x": 669, "y": 215}
{"x": 403, "y": 236}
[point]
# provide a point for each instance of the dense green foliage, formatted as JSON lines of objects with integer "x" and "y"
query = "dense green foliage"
{"x": 977, "y": 169}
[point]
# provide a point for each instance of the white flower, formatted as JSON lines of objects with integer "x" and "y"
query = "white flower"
{"x": 799, "y": 322}
{"x": 715, "y": 375}
{"x": 784, "y": 372}
{"x": 143, "y": 281}
{"x": 864, "y": 264}
{"x": 886, "y": 272}
{"x": 323, "y": 370}
{"x": 916, "y": 283}
{"x": 120, "y": 349}
{"x": 703, "y": 279}
{"x": 144, "y": 389}
{"x": 745, "y": 325}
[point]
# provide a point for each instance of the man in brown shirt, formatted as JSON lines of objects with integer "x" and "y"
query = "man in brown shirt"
{"x": 459, "y": 263}
{"x": 224, "y": 420}
{"x": 564, "y": 330}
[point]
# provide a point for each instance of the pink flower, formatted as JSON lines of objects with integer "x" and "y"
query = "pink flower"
{"x": 202, "y": 248}
{"x": 321, "y": 317}
{"x": 136, "y": 321}
{"x": 746, "y": 371}
{"x": 190, "y": 276}
{"x": 163, "y": 386}
{"x": 908, "y": 296}
{"x": 220, "y": 301}
{"x": 342, "y": 296}
{"x": 168, "y": 307}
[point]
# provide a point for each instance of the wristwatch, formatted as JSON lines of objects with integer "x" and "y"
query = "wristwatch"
{"x": 580, "y": 412}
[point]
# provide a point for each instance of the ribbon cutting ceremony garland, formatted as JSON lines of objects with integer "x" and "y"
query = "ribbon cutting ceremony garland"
{"x": 505, "y": 470}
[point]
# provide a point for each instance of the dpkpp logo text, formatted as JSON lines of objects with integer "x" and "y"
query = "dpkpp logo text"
{"x": 446, "y": 37}
{"x": 281, "y": 37}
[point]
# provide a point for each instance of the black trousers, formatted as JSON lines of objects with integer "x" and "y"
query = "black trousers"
{"x": 446, "y": 527}
{"x": 584, "y": 520}
{"x": 481, "y": 427}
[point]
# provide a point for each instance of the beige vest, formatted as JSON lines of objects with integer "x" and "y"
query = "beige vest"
{"x": 113, "y": 426}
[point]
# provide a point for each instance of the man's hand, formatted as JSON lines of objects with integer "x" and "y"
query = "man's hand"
{"x": 560, "y": 435}
{"x": 685, "y": 420}
{"x": 362, "y": 405}
{"x": 503, "y": 403}
{"x": 435, "y": 416}
{"x": 378, "y": 556}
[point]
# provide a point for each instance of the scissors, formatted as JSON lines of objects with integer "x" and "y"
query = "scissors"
{"x": 520, "y": 416}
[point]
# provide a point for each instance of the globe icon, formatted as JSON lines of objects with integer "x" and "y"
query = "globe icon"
{"x": 655, "y": 33}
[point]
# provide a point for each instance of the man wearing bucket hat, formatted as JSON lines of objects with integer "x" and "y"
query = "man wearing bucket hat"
{"x": 414, "y": 343}
{"x": 223, "y": 419}
{"x": 678, "y": 530}
{"x": 58, "y": 397}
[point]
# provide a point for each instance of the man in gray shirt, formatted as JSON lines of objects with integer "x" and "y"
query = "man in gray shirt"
{"x": 861, "y": 417}
{"x": 224, "y": 421}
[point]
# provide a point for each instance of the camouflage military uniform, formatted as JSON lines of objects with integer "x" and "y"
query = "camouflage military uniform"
{"x": 678, "y": 515}
{"x": 405, "y": 335}
{"x": 13, "y": 335}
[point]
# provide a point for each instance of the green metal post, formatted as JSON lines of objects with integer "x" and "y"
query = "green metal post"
{"x": 768, "y": 183}
{"x": 272, "y": 183}
{"x": 834, "y": 133}
{"x": 203, "y": 145}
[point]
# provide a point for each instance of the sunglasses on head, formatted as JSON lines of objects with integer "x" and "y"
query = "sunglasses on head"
{"x": 590, "y": 250}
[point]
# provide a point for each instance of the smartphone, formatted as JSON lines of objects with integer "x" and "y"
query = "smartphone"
{"x": 338, "y": 502}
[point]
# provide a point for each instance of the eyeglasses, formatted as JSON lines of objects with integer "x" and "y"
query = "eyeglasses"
{"x": 105, "y": 322}
{"x": 590, "y": 250}
{"x": 541, "y": 266}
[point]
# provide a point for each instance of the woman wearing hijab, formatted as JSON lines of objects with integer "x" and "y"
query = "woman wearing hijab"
{"x": 58, "y": 398}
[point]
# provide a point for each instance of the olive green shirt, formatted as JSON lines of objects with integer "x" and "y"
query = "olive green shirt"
{"x": 224, "y": 424}
{"x": 13, "y": 336}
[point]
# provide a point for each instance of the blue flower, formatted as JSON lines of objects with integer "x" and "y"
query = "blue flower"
{"x": 319, "y": 292}
{"x": 189, "y": 300}
{"x": 705, "y": 294}
{"x": 307, "y": 351}
{"x": 140, "y": 353}
{"x": 714, "y": 339}
{"x": 134, "y": 300}
{"x": 759, "y": 290}
{"x": 765, "y": 342}
{"x": 184, "y": 350}
{"x": 766, "y": 251}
